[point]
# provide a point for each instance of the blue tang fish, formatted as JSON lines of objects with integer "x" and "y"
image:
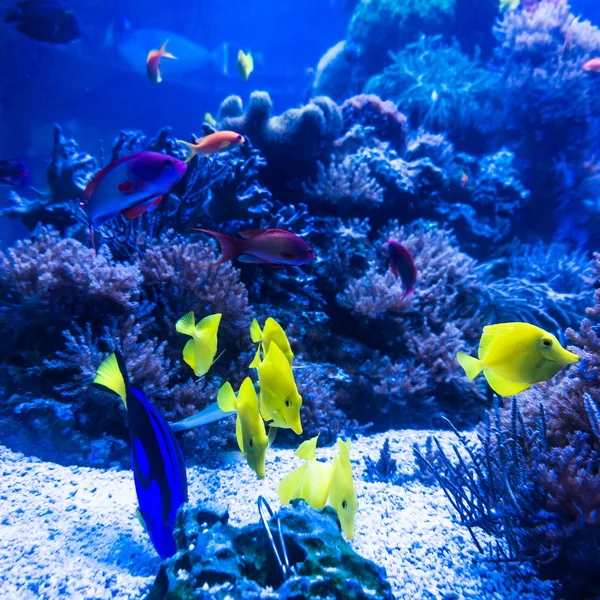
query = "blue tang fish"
{"x": 158, "y": 464}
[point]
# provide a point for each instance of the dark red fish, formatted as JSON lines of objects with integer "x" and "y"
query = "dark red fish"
{"x": 274, "y": 247}
{"x": 402, "y": 263}
{"x": 13, "y": 173}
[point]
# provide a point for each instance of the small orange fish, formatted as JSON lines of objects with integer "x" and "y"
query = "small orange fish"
{"x": 213, "y": 143}
{"x": 152, "y": 61}
{"x": 592, "y": 65}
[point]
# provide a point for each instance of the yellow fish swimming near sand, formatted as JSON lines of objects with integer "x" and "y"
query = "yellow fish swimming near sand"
{"x": 514, "y": 356}
{"x": 272, "y": 332}
{"x": 320, "y": 483}
{"x": 310, "y": 481}
{"x": 280, "y": 401}
{"x": 199, "y": 352}
{"x": 249, "y": 426}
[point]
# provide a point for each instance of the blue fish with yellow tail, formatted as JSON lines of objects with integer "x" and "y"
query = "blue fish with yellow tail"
{"x": 158, "y": 464}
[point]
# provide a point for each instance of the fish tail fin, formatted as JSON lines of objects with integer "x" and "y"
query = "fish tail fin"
{"x": 163, "y": 50}
{"x": 187, "y": 324}
{"x": 256, "y": 360}
{"x": 211, "y": 323}
{"x": 472, "y": 366}
{"x": 112, "y": 376}
{"x": 255, "y": 331}
{"x": 226, "y": 398}
{"x": 308, "y": 450}
{"x": 230, "y": 247}
{"x": 193, "y": 150}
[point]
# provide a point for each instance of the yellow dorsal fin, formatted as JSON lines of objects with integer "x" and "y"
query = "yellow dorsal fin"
{"x": 110, "y": 377}
{"x": 189, "y": 356}
{"x": 226, "y": 398}
{"x": 502, "y": 386}
{"x": 255, "y": 331}
{"x": 288, "y": 488}
{"x": 209, "y": 323}
{"x": 471, "y": 365}
{"x": 344, "y": 449}
{"x": 187, "y": 324}
{"x": 308, "y": 450}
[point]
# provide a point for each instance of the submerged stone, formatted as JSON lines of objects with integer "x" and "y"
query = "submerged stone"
{"x": 217, "y": 560}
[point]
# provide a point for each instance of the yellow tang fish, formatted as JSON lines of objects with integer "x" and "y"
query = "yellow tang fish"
{"x": 342, "y": 494}
{"x": 200, "y": 351}
{"x": 279, "y": 397}
{"x": 514, "y": 356}
{"x": 273, "y": 332}
{"x": 249, "y": 426}
{"x": 245, "y": 64}
{"x": 310, "y": 481}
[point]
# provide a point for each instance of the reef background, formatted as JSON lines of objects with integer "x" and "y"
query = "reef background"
{"x": 476, "y": 147}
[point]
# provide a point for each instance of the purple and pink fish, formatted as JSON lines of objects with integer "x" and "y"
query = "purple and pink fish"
{"x": 130, "y": 186}
{"x": 402, "y": 264}
{"x": 274, "y": 247}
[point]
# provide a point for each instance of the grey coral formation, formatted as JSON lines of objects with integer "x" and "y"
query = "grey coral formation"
{"x": 217, "y": 560}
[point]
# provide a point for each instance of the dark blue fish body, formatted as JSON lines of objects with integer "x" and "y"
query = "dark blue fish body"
{"x": 402, "y": 264}
{"x": 44, "y": 21}
{"x": 13, "y": 173}
{"x": 157, "y": 461}
{"x": 158, "y": 471}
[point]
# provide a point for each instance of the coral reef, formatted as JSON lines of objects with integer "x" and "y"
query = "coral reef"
{"x": 536, "y": 484}
{"x": 218, "y": 560}
{"x": 441, "y": 89}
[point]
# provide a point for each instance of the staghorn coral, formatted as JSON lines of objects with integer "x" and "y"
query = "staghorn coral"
{"x": 440, "y": 89}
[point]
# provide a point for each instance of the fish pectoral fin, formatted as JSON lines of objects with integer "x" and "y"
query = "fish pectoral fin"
{"x": 290, "y": 484}
{"x": 189, "y": 356}
{"x": 187, "y": 324}
{"x": 136, "y": 211}
{"x": 272, "y": 435}
{"x": 502, "y": 386}
{"x": 238, "y": 433}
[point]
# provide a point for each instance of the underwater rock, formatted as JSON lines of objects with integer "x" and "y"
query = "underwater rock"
{"x": 298, "y": 135}
{"x": 335, "y": 75}
{"x": 218, "y": 561}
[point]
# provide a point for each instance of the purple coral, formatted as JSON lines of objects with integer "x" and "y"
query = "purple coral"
{"x": 368, "y": 110}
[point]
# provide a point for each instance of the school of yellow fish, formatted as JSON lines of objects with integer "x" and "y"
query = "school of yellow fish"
{"x": 277, "y": 405}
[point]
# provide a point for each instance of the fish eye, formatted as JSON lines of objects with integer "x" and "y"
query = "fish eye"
{"x": 344, "y": 504}
{"x": 288, "y": 402}
{"x": 240, "y": 138}
{"x": 547, "y": 343}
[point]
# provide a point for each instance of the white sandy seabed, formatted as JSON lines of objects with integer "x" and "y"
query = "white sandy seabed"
{"x": 71, "y": 532}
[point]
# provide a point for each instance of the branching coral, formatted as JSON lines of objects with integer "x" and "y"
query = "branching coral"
{"x": 439, "y": 88}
